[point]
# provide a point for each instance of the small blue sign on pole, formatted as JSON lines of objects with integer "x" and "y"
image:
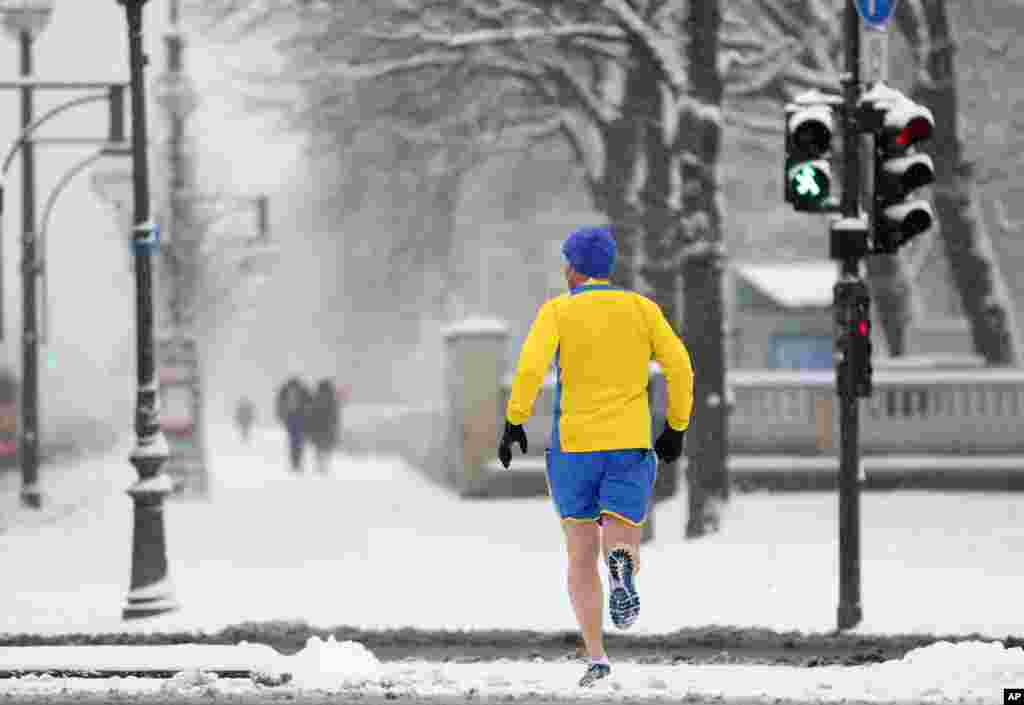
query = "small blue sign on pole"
{"x": 876, "y": 13}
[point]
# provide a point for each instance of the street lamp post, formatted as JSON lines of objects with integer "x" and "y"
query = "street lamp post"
{"x": 177, "y": 347}
{"x": 150, "y": 591}
{"x": 189, "y": 243}
{"x": 26, "y": 19}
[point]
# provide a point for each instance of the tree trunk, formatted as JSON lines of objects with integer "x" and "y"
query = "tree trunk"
{"x": 659, "y": 273}
{"x": 984, "y": 294}
{"x": 663, "y": 236}
{"x": 441, "y": 222}
{"x": 616, "y": 200}
{"x": 892, "y": 292}
{"x": 707, "y": 443}
{"x": 699, "y": 140}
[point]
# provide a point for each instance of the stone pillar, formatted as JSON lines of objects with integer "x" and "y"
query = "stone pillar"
{"x": 825, "y": 424}
{"x": 475, "y": 352}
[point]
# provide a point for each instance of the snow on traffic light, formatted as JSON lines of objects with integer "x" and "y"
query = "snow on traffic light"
{"x": 899, "y": 169}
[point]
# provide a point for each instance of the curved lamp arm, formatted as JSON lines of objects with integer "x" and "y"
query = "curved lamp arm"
{"x": 51, "y": 201}
{"x": 53, "y": 112}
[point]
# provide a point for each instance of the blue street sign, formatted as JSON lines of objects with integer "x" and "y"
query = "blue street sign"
{"x": 875, "y": 12}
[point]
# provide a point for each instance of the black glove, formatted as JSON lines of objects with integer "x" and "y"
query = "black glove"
{"x": 669, "y": 445}
{"x": 512, "y": 434}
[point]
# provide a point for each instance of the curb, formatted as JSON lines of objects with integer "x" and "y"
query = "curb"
{"x": 58, "y": 672}
{"x": 145, "y": 660}
{"x": 253, "y": 648}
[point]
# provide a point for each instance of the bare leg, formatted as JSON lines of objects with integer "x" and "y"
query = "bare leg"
{"x": 583, "y": 542}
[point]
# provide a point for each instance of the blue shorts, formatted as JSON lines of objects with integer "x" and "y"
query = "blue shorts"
{"x": 586, "y": 485}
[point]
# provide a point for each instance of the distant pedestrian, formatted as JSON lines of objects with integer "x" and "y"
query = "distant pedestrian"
{"x": 245, "y": 416}
{"x": 292, "y": 407}
{"x": 322, "y": 424}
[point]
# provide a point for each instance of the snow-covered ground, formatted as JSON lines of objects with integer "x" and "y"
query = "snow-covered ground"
{"x": 374, "y": 542}
{"x": 968, "y": 672}
{"x": 375, "y": 545}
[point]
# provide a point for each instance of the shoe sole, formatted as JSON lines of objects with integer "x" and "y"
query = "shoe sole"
{"x": 589, "y": 680}
{"x": 624, "y": 602}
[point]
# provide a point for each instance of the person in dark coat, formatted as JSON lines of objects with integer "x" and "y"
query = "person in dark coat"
{"x": 292, "y": 406}
{"x": 245, "y": 415}
{"x": 323, "y": 423}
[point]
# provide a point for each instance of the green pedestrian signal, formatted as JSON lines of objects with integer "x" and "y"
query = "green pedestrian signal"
{"x": 805, "y": 181}
{"x": 809, "y": 185}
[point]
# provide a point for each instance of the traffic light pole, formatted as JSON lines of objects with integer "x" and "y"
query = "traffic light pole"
{"x": 846, "y": 292}
{"x": 28, "y": 447}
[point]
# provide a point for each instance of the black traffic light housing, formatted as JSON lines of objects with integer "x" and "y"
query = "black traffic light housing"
{"x": 853, "y": 339}
{"x": 860, "y": 348}
{"x": 848, "y": 238}
{"x": 809, "y": 132}
{"x": 898, "y": 125}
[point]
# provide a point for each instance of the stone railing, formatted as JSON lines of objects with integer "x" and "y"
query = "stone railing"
{"x": 912, "y": 411}
{"x": 923, "y": 412}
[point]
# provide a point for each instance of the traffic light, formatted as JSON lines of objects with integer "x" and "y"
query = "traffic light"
{"x": 853, "y": 338}
{"x": 808, "y": 173}
{"x": 899, "y": 170}
{"x": 860, "y": 349}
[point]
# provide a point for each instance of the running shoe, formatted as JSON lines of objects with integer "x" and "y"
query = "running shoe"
{"x": 623, "y": 600}
{"x": 595, "y": 672}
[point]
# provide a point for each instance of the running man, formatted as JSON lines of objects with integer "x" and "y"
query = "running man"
{"x": 600, "y": 465}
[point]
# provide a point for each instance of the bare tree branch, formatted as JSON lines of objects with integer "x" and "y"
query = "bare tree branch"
{"x": 913, "y": 23}
{"x": 809, "y": 78}
{"x": 750, "y": 123}
{"x": 600, "y": 111}
{"x": 593, "y": 164}
{"x": 663, "y": 49}
{"x": 491, "y": 37}
{"x": 768, "y": 67}
{"x": 1003, "y": 219}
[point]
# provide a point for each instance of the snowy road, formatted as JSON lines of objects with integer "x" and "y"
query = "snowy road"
{"x": 374, "y": 545}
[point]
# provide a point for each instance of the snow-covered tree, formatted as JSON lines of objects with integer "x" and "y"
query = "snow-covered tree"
{"x": 979, "y": 280}
{"x": 635, "y": 88}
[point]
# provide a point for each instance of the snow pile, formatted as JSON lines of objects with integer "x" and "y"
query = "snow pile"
{"x": 329, "y": 665}
{"x": 969, "y": 672}
{"x": 192, "y": 681}
{"x": 960, "y": 671}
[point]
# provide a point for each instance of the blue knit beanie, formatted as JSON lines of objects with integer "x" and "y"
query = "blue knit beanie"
{"x": 591, "y": 251}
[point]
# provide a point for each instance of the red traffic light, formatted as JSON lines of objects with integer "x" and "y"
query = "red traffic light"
{"x": 919, "y": 128}
{"x": 904, "y": 124}
{"x": 864, "y": 328}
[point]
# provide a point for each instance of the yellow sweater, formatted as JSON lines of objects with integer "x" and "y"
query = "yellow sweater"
{"x": 604, "y": 339}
